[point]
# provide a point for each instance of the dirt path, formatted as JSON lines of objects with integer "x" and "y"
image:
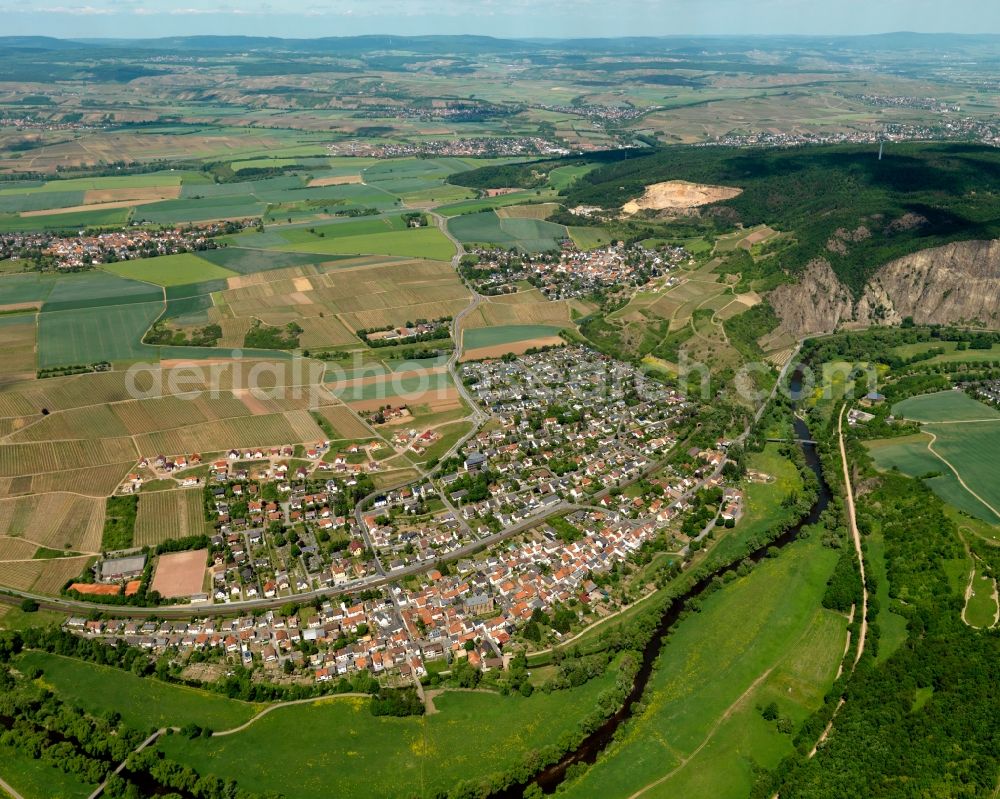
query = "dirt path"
{"x": 711, "y": 733}
{"x": 969, "y": 588}
{"x": 121, "y": 766}
{"x": 855, "y": 536}
{"x": 6, "y": 786}
{"x": 278, "y": 705}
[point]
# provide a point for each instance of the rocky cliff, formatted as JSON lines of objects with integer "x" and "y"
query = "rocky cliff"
{"x": 953, "y": 284}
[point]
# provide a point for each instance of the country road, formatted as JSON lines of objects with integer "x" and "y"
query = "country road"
{"x": 855, "y": 536}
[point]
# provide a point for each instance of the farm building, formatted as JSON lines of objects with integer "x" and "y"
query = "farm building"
{"x": 122, "y": 568}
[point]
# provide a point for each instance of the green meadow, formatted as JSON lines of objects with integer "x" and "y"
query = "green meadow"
{"x": 335, "y": 747}
{"x": 143, "y": 702}
{"x": 700, "y": 733}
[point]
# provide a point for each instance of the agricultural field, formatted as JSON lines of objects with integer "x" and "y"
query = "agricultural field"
{"x": 88, "y": 335}
{"x": 17, "y": 360}
{"x": 953, "y": 453}
{"x": 263, "y": 430}
{"x": 55, "y": 521}
{"x": 700, "y": 733}
{"x": 170, "y": 270}
{"x": 167, "y": 515}
{"x": 330, "y": 304}
{"x": 487, "y": 227}
{"x": 491, "y": 342}
{"x": 344, "y": 423}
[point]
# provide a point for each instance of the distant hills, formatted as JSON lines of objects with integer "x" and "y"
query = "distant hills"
{"x": 468, "y": 44}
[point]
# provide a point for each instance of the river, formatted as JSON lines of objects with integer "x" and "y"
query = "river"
{"x": 551, "y": 777}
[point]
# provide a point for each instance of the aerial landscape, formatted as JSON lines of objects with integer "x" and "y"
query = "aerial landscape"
{"x": 452, "y": 401}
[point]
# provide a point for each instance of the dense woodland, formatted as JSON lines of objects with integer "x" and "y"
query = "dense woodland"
{"x": 840, "y": 202}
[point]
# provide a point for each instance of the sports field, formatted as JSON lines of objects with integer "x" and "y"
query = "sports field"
{"x": 179, "y": 574}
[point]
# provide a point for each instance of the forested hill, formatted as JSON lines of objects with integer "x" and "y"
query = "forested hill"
{"x": 840, "y": 202}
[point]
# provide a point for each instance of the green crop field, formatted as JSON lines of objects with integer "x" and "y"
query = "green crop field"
{"x": 958, "y": 432}
{"x": 143, "y": 702}
{"x": 76, "y": 220}
{"x": 532, "y": 235}
{"x": 971, "y": 448}
{"x": 346, "y": 749}
{"x": 944, "y": 406}
{"x": 27, "y": 287}
{"x": 104, "y": 333}
{"x": 247, "y": 261}
{"x": 505, "y": 334}
{"x": 170, "y": 270}
{"x": 589, "y": 238}
{"x": 749, "y": 644}
{"x": 90, "y": 289}
{"x": 910, "y": 455}
{"x": 426, "y": 242}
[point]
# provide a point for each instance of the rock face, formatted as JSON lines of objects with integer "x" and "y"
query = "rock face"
{"x": 952, "y": 284}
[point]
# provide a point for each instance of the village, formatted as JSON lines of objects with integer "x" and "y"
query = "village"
{"x": 538, "y": 525}
{"x": 478, "y": 147}
{"x": 570, "y": 272}
{"x": 82, "y": 250}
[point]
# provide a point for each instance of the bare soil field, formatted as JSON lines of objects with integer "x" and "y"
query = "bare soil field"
{"x": 147, "y": 193}
{"x": 516, "y": 348}
{"x": 678, "y": 194}
{"x": 335, "y": 180}
{"x": 180, "y": 574}
{"x": 539, "y": 211}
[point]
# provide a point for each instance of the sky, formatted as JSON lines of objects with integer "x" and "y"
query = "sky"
{"x": 504, "y": 18}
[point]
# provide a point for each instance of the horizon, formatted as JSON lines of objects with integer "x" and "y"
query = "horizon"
{"x": 473, "y": 35}
{"x": 519, "y": 19}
